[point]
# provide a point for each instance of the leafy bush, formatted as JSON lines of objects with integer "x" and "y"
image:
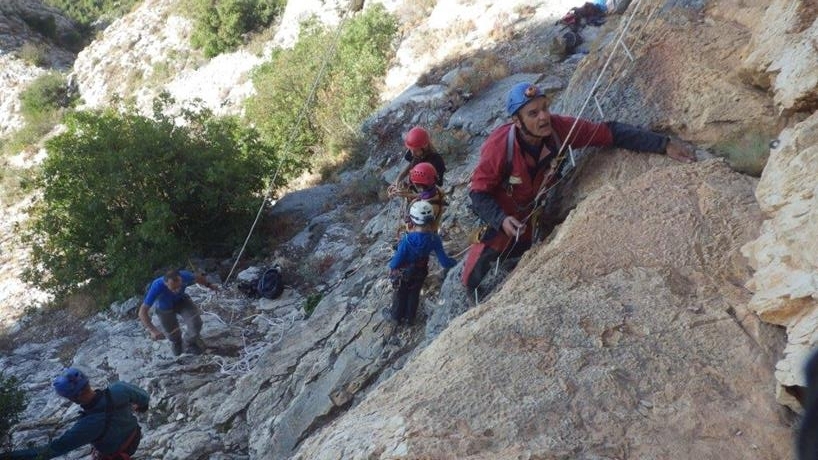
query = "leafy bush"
{"x": 482, "y": 70}
{"x": 46, "y": 94}
{"x": 221, "y": 25}
{"x": 312, "y": 302}
{"x": 33, "y": 54}
{"x": 345, "y": 94}
{"x": 124, "y": 195}
{"x": 12, "y": 404}
{"x": 86, "y": 12}
{"x": 43, "y": 104}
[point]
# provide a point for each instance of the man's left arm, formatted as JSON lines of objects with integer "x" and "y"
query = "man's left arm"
{"x": 84, "y": 431}
{"x": 632, "y": 138}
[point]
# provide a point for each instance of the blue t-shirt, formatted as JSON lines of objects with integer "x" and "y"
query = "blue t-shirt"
{"x": 416, "y": 246}
{"x": 162, "y": 298}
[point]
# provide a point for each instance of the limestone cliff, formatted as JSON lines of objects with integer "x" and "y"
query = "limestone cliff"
{"x": 648, "y": 325}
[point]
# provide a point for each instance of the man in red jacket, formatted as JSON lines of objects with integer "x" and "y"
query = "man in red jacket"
{"x": 522, "y": 158}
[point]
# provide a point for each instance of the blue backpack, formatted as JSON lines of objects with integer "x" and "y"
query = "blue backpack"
{"x": 270, "y": 285}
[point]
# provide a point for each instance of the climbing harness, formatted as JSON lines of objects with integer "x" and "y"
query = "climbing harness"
{"x": 131, "y": 442}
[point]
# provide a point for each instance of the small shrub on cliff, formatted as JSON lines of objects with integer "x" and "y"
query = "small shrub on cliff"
{"x": 12, "y": 404}
{"x": 47, "y": 94}
{"x": 123, "y": 195}
{"x": 86, "y": 12}
{"x": 346, "y": 93}
{"x": 222, "y": 25}
{"x": 43, "y": 104}
{"x": 746, "y": 152}
{"x": 312, "y": 301}
{"x": 34, "y": 54}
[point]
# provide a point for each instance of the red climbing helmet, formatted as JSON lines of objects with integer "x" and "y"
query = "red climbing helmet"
{"x": 423, "y": 174}
{"x": 416, "y": 138}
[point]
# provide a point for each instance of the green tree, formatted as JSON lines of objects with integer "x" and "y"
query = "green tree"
{"x": 351, "y": 90}
{"x": 44, "y": 97}
{"x": 221, "y": 25}
{"x": 283, "y": 86}
{"x": 123, "y": 195}
{"x": 346, "y": 92}
{"x": 12, "y": 403}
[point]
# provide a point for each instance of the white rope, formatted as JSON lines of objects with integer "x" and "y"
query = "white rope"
{"x": 249, "y": 356}
{"x": 618, "y": 41}
{"x": 251, "y": 350}
{"x": 291, "y": 139}
{"x": 591, "y": 94}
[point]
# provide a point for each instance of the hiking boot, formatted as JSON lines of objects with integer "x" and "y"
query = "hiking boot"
{"x": 387, "y": 315}
{"x": 194, "y": 349}
{"x": 176, "y": 348}
{"x": 395, "y": 341}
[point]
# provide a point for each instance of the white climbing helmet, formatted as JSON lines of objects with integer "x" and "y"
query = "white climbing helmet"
{"x": 422, "y": 213}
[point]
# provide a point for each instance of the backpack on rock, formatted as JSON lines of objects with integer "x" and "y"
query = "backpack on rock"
{"x": 269, "y": 284}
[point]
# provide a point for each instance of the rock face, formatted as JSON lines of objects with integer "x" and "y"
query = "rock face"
{"x": 159, "y": 58}
{"x": 783, "y": 55}
{"x": 17, "y": 35}
{"x": 785, "y": 283}
{"x": 629, "y": 333}
{"x": 623, "y": 337}
{"x": 784, "y": 255}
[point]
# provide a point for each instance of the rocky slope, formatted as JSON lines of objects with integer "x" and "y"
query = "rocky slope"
{"x": 18, "y": 38}
{"x": 636, "y": 331}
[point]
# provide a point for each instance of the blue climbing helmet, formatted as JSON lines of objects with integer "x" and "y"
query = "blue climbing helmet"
{"x": 70, "y": 383}
{"x": 520, "y": 95}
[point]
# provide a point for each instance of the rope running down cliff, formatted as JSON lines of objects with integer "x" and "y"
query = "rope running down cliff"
{"x": 301, "y": 114}
{"x": 564, "y": 148}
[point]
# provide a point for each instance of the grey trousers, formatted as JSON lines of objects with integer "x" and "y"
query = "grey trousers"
{"x": 191, "y": 316}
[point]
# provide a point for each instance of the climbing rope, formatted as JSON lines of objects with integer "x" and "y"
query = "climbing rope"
{"x": 565, "y": 148}
{"x": 328, "y": 55}
{"x": 252, "y": 347}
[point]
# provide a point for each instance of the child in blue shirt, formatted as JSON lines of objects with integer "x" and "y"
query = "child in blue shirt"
{"x": 409, "y": 265}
